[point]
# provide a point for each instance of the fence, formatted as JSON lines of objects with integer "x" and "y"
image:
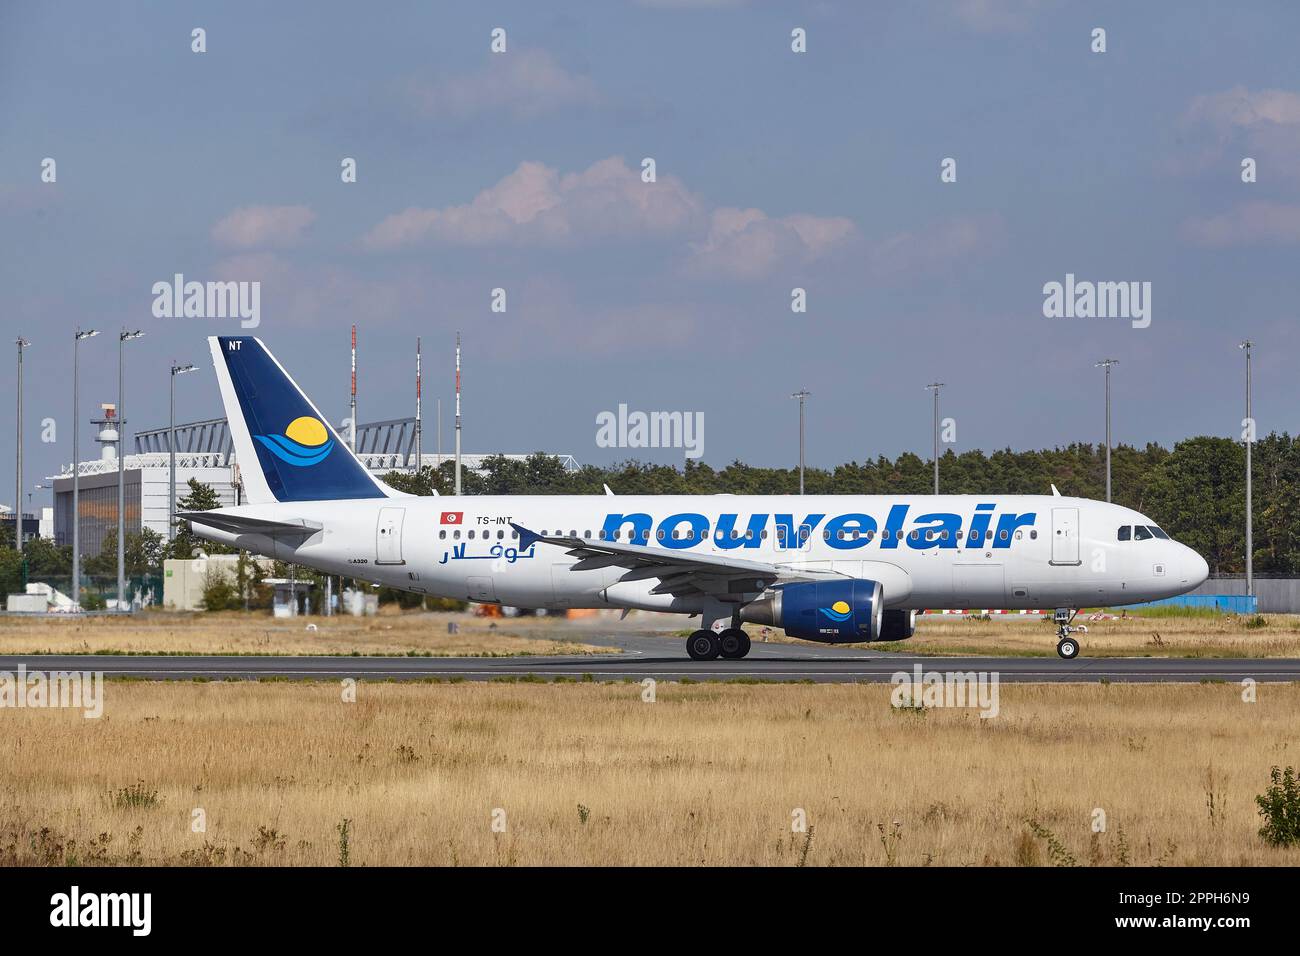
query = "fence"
{"x": 1274, "y": 594}
{"x": 98, "y": 589}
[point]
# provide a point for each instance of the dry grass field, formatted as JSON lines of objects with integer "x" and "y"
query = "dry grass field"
{"x": 233, "y": 632}
{"x": 591, "y": 774}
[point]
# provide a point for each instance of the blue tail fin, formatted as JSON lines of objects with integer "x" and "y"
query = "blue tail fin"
{"x": 287, "y": 450}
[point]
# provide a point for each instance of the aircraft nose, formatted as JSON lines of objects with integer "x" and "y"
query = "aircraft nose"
{"x": 1195, "y": 568}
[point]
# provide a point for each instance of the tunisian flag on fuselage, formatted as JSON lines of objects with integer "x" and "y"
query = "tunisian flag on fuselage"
{"x": 453, "y": 517}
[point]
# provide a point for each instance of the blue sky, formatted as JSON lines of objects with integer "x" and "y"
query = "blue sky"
{"x": 521, "y": 170}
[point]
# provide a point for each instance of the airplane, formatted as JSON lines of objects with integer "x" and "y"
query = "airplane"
{"x": 826, "y": 568}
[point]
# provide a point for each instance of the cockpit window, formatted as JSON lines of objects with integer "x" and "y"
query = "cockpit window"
{"x": 1141, "y": 533}
{"x": 1158, "y": 532}
{"x": 1124, "y": 532}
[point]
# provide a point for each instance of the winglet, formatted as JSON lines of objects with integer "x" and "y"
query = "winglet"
{"x": 1055, "y": 493}
{"x": 526, "y": 538}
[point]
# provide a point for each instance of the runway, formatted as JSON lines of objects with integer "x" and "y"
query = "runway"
{"x": 639, "y": 657}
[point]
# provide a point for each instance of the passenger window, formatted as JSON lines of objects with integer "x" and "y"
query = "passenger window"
{"x": 442, "y": 533}
{"x": 915, "y": 535}
{"x": 1019, "y": 535}
{"x": 500, "y": 535}
{"x": 660, "y": 534}
{"x": 1140, "y": 533}
{"x": 471, "y": 535}
{"x": 1003, "y": 534}
{"x": 1124, "y": 532}
{"x": 826, "y": 535}
{"x": 763, "y": 534}
{"x": 975, "y": 536}
{"x": 1033, "y": 535}
{"x": 456, "y": 534}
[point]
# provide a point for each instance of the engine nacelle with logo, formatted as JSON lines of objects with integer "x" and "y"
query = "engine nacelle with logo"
{"x": 843, "y": 611}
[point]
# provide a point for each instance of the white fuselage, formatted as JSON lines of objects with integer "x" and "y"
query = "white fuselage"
{"x": 944, "y": 551}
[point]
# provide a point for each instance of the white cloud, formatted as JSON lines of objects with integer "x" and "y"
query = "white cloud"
{"x": 996, "y": 16}
{"x": 536, "y": 205}
{"x": 934, "y": 248}
{"x": 526, "y": 84}
{"x": 1262, "y": 124}
{"x": 691, "y": 4}
{"x": 1245, "y": 224}
{"x": 747, "y": 244}
{"x": 250, "y": 226}
{"x": 1240, "y": 107}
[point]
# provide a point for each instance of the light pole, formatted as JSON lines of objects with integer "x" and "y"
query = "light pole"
{"x": 123, "y": 337}
{"x": 1106, "y": 364}
{"x": 1250, "y": 440}
{"x": 22, "y": 343}
{"x": 802, "y": 395}
{"x": 935, "y": 386}
{"x": 76, "y": 470}
{"x": 171, "y": 448}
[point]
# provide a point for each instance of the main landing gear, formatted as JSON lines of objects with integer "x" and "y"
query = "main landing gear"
{"x": 731, "y": 644}
{"x": 1066, "y": 646}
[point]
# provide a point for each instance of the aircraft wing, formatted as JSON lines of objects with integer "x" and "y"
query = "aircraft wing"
{"x": 242, "y": 524}
{"x": 679, "y": 573}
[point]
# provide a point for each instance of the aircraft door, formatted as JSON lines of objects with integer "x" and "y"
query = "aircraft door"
{"x": 1065, "y": 536}
{"x": 388, "y": 536}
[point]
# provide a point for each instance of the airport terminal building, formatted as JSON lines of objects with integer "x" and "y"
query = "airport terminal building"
{"x": 204, "y": 451}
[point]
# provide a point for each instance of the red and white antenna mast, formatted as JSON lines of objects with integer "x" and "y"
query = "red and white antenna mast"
{"x": 419, "y": 457}
{"x": 353, "y": 423}
{"x": 457, "y": 413}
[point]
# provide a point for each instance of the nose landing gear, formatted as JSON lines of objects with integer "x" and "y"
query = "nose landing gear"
{"x": 1066, "y": 646}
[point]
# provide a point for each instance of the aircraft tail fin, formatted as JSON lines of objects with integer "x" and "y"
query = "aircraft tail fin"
{"x": 286, "y": 449}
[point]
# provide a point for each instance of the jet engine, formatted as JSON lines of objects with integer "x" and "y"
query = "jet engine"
{"x": 843, "y": 611}
{"x": 898, "y": 625}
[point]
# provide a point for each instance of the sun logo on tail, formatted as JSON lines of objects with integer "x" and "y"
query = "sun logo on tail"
{"x": 305, "y": 442}
{"x": 838, "y": 612}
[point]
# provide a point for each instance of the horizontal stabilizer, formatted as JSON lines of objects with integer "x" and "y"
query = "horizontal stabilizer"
{"x": 241, "y": 524}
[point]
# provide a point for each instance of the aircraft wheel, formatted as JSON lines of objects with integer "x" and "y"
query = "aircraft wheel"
{"x": 1068, "y": 648}
{"x": 735, "y": 643}
{"x": 703, "y": 646}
